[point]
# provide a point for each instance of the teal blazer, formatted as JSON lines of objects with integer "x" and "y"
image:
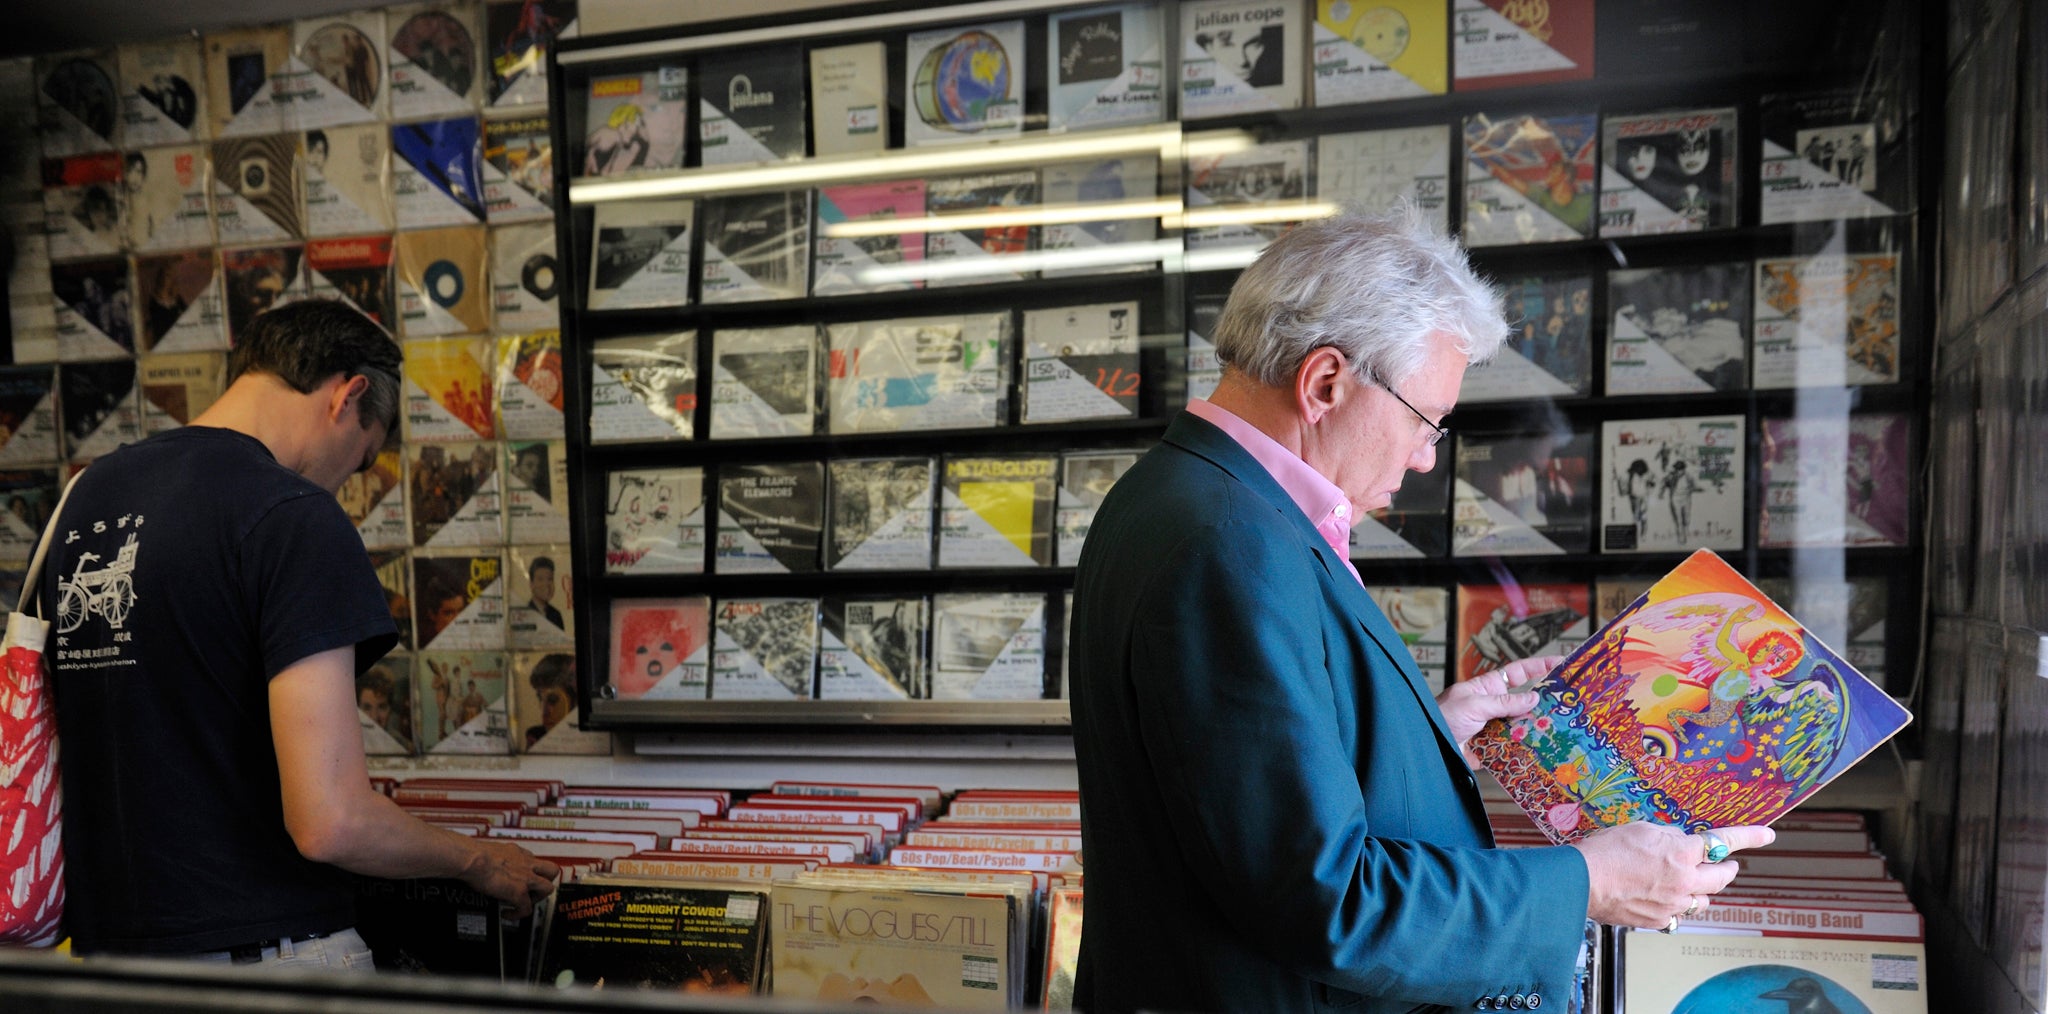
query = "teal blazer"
{"x": 1274, "y": 815}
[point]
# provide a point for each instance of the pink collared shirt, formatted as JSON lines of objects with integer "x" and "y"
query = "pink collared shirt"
{"x": 1328, "y": 509}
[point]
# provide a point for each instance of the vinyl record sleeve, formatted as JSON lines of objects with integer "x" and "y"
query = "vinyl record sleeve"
{"x": 1672, "y": 171}
{"x": 544, "y": 717}
{"x": 176, "y": 387}
{"x": 28, "y": 416}
{"x": 95, "y": 319}
{"x": 1085, "y": 478}
{"x": 1422, "y": 616}
{"x": 872, "y": 649}
{"x": 862, "y": 962}
{"x": 655, "y": 521}
{"x": 1673, "y": 484}
{"x": 1379, "y": 169}
{"x": 1081, "y": 362}
{"x": 660, "y": 649}
{"x": 703, "y": 940}
{"x": 842, "y": 264}
{"x": 529, "y": 386}
{"x": 437, "y": 172}
{"x": 448, "y": 383}
{"x": 764, "y": 382}
{"x": 880, "y": 515}
{"x": 435, "y": 64}
{"x": 384, "y": 707}
{"x": 518, "y": 34}
{"x": 1105, "y": 67}
{"x": 1835, "y": 481}
{"x": 1263, "y": 175}
{"x": 1846, "y": 615}
{"x": 1509, "y": 44}
{"x": 643, "y": 388}
{"x": 849, "y": 98}
{"x": 457, "y": 495}
{"x": 1062, "y": 948}
{"x": 1204, "y": 369}
{"x": 964, "y": 83}
{"x": 78, "y": 103}
{"x": 637, "y": 122}
{"x": 1416, "y": 524}
{"x": 258, "y": 278}
{"x": 357, "y": 271}
{"x": 752, "y": 108}
{"x": 988, "y": 646}
{"x": 1530, "y": 179}
{"x": 1829, "y": 156}
{"x": 256, "y": 189}
{"x": 764, "y": 649}
{"x": 1240, "y": 56}
{"x": 997, "y": 511}
{"x": 163, "y": 93}
{"x": 179, "y": 306}
{"x": 1827, "y": 320}
{"x": 22, "y": 527}
{"x": 526, "y": 280}
{"x": 1093, "y": 244}
{"x": 924, "y": 373}
{"x": 1695, "y": 971}
{"x": 83, "y": 203}
{"x": 1681, "y": 330}
{"x": 642, "y": 255}
{"x": 1523, "y": 494}
{"x": 537, "y": 496}
{"x": 167, "y": 206}
{"x": 99, "y": 402}
{"x": 347, "y": 177}
{"x": 756, "y": 246}
{"x": 459, "y": 602}
{"x": 339, "y": 70}
{"x": 1374, "y": 53}
{"x": 519, "y": 169}
{"x": 374, "y": 500}
{"x": 541, "y": 603}
{"x": 462, "y": 703}
{"x": 1549, "y": 351}
{"x": 1613, "y": 595}
{"x": 1498, "y": 624}
{"x": 770, "y": 518}
{"x": 442, "y": 285}
{"x": 1703, "y": 704}
{"x": 985, "y": 247}
{"x": 242, "y": 69}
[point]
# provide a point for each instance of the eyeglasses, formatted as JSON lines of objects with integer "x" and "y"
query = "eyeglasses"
{"x": 1437, "y": 431}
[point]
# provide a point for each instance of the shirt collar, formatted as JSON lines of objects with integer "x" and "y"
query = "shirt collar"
{"x": 1325, "y": 505}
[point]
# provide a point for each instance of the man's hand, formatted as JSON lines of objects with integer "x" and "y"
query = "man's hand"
{"x": 1470, "y": 704}
{"x": 510, "y": 874}
{"x": 1642, "y": 875}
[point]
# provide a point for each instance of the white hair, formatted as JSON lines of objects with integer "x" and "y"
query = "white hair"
{"x": 1374, "y": 287}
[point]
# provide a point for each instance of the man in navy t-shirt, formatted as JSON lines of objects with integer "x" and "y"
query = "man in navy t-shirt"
{"x": 212, "y": 606}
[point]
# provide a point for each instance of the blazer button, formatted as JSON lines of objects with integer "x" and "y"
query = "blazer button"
{"x": 1485, "y": 1003}
{"x": 1535, "y": 1000}
{"x": 1518, "y": 1001}
{"x": 1500, "y": 1001}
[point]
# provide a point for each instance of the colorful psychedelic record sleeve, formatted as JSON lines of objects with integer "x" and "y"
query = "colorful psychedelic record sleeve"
{"x": 1703, "y": 704}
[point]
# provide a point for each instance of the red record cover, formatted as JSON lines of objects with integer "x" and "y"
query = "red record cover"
{"x": 1512, "y": 43}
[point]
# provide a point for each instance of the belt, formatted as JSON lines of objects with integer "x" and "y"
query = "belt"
{"x": 251, "y": 953}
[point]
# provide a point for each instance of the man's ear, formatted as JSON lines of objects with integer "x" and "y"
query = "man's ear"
{"x": 1318, "y": 383}
{"x": 348, "y": 396}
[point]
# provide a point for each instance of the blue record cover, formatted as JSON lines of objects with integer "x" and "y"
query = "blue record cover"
{"x": 447, "y": 158}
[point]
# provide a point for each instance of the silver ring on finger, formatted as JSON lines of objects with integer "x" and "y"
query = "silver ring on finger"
{"x": 1670, "y": 927}
{"x": 1715, "y": 848}
{"x": 1694, "y": 908}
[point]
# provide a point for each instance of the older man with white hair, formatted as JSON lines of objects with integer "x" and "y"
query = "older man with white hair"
{"x": 1277, "y": 815}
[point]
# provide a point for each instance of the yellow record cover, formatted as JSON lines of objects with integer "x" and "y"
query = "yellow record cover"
{"x": 898, "y": 949}
{"x": 1374, "y": 50}
{"x": 448, "y": 384}
{"x": 375, "y": 500}
{"x": 442, "y": 287}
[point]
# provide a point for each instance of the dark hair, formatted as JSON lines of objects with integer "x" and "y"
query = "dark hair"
{"x": 556, "y": 671}
{"x": 378, "y": 679}
{"x": 135, "y": 161}
{"x": 309, "y": 342}
{"x": 539, "y": 562}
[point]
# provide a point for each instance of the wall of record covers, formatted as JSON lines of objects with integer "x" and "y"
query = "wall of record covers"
{"x": 1982, "y": 870}
{"x": 395, "y": 158}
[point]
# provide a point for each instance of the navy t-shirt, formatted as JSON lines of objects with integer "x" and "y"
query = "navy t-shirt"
{"x": 186, "y": 571}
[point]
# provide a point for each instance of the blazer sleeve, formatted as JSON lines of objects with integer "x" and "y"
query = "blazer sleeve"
{"x": 1230, "y": 675}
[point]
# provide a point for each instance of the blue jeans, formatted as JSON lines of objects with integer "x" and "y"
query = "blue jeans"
{"x": 343, "y": 951}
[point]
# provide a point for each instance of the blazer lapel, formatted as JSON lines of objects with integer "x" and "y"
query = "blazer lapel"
{"x": 1198, "y": 436}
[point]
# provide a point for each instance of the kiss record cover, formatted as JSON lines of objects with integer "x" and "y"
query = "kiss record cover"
{"x": 1672, "y": 171}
